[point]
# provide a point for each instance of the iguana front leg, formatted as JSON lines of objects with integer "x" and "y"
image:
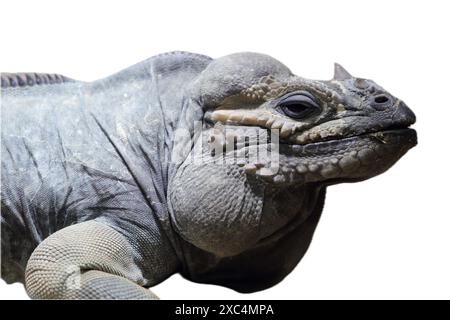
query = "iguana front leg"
{"x": 89, "y": 260}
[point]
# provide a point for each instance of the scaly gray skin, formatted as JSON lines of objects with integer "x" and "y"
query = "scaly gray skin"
{"x": 101, "y": 197}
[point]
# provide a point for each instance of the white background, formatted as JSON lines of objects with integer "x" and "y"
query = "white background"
{"x": 387, "y": 237}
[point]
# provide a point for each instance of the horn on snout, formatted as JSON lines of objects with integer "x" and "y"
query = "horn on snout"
{"x": 340, "y": 73}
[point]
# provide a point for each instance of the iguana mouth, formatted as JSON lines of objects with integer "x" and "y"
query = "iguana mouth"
{"x": 377, "y": 140}
{"x": 376, "y": 135}
{"x": 350, "y": 158}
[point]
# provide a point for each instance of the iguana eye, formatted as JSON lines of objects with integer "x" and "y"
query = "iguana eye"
{"x": 299, "y": 105}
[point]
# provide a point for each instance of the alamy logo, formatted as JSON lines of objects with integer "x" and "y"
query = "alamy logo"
{"x": 227, "y": 144}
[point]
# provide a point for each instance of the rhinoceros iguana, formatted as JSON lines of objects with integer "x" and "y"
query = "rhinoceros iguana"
{"x": 212, "y": 168}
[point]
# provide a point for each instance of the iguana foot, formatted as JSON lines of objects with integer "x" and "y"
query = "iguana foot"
{"x": 85, "y": 261}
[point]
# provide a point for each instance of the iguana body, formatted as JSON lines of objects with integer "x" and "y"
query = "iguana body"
{"x": 101, "y": 198}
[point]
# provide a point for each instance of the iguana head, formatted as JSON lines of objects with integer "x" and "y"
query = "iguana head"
{"x": 344, "y": 129}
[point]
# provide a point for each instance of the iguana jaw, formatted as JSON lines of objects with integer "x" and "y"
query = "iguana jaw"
{"x": 346, "y": 149}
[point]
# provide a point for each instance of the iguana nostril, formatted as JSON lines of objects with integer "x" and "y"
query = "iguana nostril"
{"x": 380, "y": 102}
